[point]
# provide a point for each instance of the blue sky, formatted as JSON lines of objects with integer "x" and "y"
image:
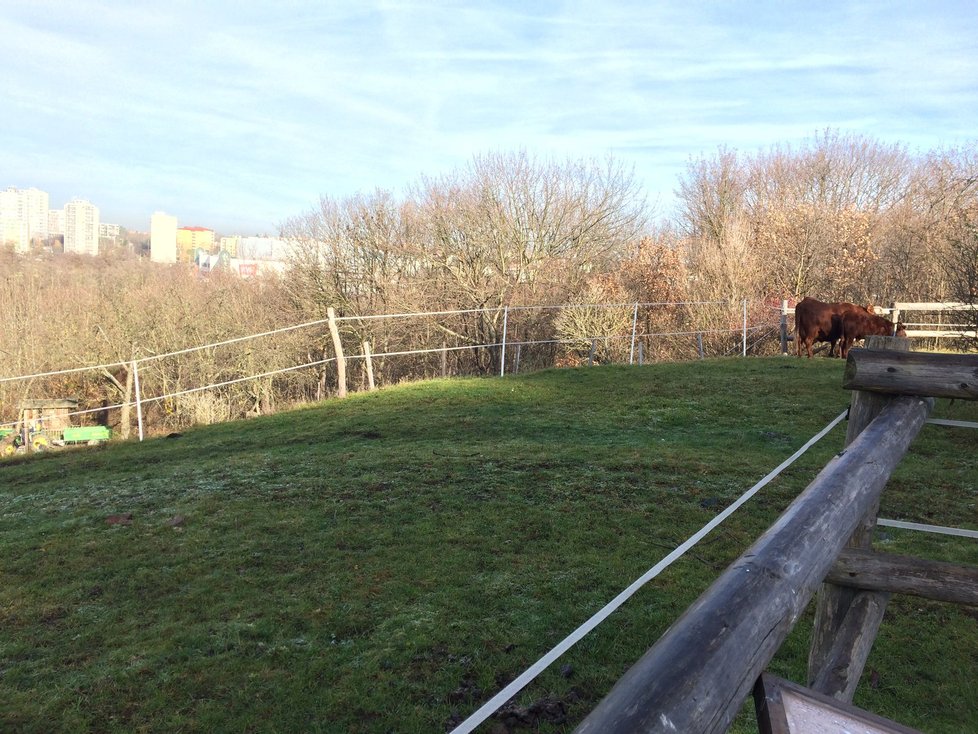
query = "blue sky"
{"x": 237, "y": 115}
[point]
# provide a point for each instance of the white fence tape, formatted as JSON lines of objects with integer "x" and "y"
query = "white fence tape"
{"x": 940, "y": 530}
{"x": 954, "y": 424}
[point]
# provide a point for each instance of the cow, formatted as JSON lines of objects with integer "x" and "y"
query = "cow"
{"x": 857, "y": 325}
{"x": 817, "y": 321}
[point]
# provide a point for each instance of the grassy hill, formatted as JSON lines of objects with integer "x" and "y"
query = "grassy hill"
{"x": 388, "y": 562}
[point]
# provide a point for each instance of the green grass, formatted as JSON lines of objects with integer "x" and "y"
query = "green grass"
{"x": 388, "y": 562}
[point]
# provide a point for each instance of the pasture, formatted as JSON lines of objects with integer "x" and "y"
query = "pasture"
{"x": 387, "y": 562}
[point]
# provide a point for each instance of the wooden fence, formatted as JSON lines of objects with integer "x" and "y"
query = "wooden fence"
{"x": 698, "y": 675}
{"x": 944, "y": 321}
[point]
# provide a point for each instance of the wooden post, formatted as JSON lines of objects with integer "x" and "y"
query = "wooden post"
{"x": 594, "y": 348}
{"x": 745, "y": 327}
{"x": 444, "y": 359}
{"x": 699, "y": 343}
{"x": 846, "y": 619}
{"x": 139, "y": 402}
{"x": 370, "y": 365}
{"x": 340, "y": 359}
{"x": 784, "y": 326}
{"x": 631, "y": 354}
{"x": 502, "y": 357}
{"x": 641, "y": 353}
{"x": 516, "y": 367}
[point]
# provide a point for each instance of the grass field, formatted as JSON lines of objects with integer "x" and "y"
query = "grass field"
{"x": 388, "y": 562}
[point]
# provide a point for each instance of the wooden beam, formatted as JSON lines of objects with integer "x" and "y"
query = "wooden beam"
{"x": 912, "y": 373}
{"x": 697, "y": 676}
{"x": 938, "y": 580}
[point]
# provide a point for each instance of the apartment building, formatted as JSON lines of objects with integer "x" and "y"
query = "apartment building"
{"x": 190, "y": 239}
{"x": 81, "y": 227}
{"x": 230, "y": 245}
{"x": 23, "y": 217}
{"x": 163, "y": 238}
{"x": 56, "y": 222}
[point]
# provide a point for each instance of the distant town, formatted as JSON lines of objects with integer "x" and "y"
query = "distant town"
{"x": 29, "y": 224}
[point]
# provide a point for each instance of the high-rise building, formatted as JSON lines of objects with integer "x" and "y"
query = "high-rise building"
{"x": 23, "y": 217}
{"x": 56, "y": 222}
{"x": 81, "y": 227}
{"x": 163, "y": 238}
{"x": 190, "y": 239}
{"x": 12, "y": 233}
{"x": 35, "y": 203}
{"x": 13, "y": 229}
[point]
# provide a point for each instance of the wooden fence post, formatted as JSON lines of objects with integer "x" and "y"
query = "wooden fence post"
{"x": 594, "y": 348}
{"x": 340, "y": 359}
{"x": 516, "y": 367}
{"x": 699, "y": 343}
{"x": 846, "y": 619}
{"x": 641, "y": 354}
{"x": 444, "y": 359}
{"x": 745, "y": 327}
{"x": 502, "y": 358}
{"x": 631, "y": 354}
{"x": 139, "y": 402}
{"x": 784, "y": 326}
{"x": 370, "y": 365}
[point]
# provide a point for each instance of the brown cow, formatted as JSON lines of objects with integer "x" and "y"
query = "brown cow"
{"x": 817, "y": 321}
{"x": 857, "y": 325}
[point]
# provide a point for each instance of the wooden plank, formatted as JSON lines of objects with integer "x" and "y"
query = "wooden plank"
{"x": 912, "y": 373}
{"x": 938, "y": 580}
{"x": 934, "y": 306}
{"x": 953, "y": 333}
{"x": 695, "y": 678}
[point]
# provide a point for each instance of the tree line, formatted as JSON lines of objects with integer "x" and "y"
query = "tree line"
{"x": 839, "y": 217}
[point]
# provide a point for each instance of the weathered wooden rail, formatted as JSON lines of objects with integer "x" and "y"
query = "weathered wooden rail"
{"x": 699, "y": 673}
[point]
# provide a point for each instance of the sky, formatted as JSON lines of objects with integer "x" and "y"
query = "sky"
{"x": 239, "y": 115}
